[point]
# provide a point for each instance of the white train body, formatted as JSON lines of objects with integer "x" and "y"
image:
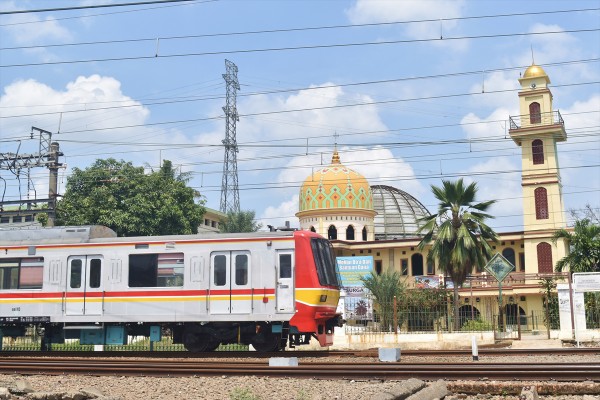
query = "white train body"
{"x": 260, "y": 288}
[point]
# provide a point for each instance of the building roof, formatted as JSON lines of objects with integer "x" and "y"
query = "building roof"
{"x": 398, "y": 213}
{"x": 335, "y": 187}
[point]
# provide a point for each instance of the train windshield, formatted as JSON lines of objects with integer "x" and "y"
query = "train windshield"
{"x": 325, "y": 262}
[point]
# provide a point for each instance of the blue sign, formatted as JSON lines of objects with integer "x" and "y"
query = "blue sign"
{"x": 350, "y": 270}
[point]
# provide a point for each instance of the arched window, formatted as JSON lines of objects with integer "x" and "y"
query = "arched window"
{"x": 332, "y": 232}
{"x": 312, "y": 229}
{"x": 417, "y": 264}
{"x": 535, "y": 116}
{"x": 350, "y": 232}
{"x": 541, "y": 203}
{"x": 509, "y": 254}
{"x": 364, "y": 234}
{"x": 537, "y": 150}
{"x": 544, "y": 258}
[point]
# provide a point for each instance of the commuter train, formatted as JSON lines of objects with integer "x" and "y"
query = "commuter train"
{"x": 267, "y": 289}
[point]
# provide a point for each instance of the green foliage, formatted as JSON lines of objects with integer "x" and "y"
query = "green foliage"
{"x": 42, "y": 218}
{"x": 584, "y": 244}
{"x": 550, "y": 301}
{"x": 118, "y": 195}
{"x": 457, "y": 234}
{"x": 242, "y": 394}
{"x": 476, "y": 325}
{"x": 422, "y": 308}
{"x": 238, "y": 222}
{"x": 384, "y": 288}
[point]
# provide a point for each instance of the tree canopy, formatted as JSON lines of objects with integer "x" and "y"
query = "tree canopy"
{"x": 457, "y": 233}
{"x": 238, "y": 222}
{"x": 584, "y": 247}
{"x": 124, "y": 198}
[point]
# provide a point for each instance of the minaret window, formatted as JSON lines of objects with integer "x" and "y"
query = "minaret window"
{"x": 535, "y": 116}
{"x": 544, "y": 257}
{"x": 541, "y": 203}
{"x": 332, "y": 232}
{"x": 364, "y": 234}
{"x": 537, "y": 150}
{"x": 350, "y": 233}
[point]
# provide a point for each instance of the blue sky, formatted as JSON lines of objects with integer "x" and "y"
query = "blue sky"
{"x": 405, "y": 107}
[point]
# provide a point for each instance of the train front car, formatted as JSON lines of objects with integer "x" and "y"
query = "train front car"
{"x": 317, "y": 289}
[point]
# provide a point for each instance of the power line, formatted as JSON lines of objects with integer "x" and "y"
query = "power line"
{"x": 292, "y": 48}
{"x": 137, "y": 3}
{"x": 297, "y": 89}
{"x": 300, "y": 29}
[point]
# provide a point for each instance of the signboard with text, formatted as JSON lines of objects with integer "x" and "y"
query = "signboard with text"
{"x": 351, "y": 269}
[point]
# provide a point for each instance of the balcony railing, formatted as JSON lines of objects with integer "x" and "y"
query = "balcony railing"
{"x": 531, "y": 120}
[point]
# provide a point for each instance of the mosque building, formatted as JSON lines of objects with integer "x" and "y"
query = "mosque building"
{"x": 382, "y": 221}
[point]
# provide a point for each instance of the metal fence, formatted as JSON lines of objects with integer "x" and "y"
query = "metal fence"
{"x": 369, "y": 316}
{"x": 33, "y": 342}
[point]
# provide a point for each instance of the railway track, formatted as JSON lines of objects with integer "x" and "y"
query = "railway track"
{"x": 302, "y": 353}
{"x": 572, "y": 372}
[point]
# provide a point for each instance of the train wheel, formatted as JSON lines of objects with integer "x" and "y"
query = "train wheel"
{"x": 196, "y": 342}
{"x": 267, "y": 342}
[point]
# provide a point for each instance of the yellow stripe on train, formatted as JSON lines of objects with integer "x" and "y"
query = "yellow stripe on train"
{"x": 314, "y": 297}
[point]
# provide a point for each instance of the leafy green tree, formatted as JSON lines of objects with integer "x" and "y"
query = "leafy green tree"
{"x": 238, "y": 222}
{"x": 132, "y": 203}
{"x": 584, "y": 247}
{"x": 384, "y": 288}
{"x": 457, "y": 233}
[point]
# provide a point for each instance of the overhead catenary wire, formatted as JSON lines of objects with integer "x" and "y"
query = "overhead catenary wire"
{"x": 294, "y": 48}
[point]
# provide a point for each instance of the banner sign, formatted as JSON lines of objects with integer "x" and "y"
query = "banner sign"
{"x": 351, "y": 269}
{"x": 428, "y": 282}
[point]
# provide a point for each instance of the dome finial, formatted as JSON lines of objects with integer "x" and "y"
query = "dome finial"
{"x": 335, "y": 159}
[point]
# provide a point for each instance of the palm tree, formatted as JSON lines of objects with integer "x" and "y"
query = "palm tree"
{"x": 584, "y": 244}
{"x": 384, "y": 288}
{"x": 457, "y": 233}
{"x": 238, "y": 222}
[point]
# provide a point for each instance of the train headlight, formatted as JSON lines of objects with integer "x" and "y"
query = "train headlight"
{"x": 323, "y": 298}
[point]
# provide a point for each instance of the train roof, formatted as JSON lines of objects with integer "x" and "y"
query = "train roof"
{"x": 102, "y": 234}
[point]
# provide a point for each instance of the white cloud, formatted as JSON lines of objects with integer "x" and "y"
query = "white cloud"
{"x": 277, "y": 216}
{"x": 494, "y": 126}
{"x": 504, "y": 187}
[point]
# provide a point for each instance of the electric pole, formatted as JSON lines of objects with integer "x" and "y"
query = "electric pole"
{"x": 47, "y": 157}
{"x": 230, "y": 195}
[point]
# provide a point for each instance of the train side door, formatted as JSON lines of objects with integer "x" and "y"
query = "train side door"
{"x": 284, "y": 295}
{"x": 85, "y": 294}
{"x": 230, "y": 283}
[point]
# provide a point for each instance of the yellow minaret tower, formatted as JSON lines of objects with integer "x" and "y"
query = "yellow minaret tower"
{"x": 537, "y": 130}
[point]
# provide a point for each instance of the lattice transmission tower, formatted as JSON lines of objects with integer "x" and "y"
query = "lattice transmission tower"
{"x": 230, "y": 195}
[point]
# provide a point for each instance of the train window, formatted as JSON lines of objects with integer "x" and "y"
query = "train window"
{"x": 75, "y": 281}
{"x": 285, "y": 265}
{"x": 220, "y": 270}
{"x": 156, "y": 270}
{"x": 32, "y": 273}
{"x": 9, "y": 274}
{"x": 95, "y": 273}
{"x": 21, "y": 273}
{"x": 241, "y": 269}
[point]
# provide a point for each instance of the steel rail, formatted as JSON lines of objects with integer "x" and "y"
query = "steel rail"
{"x": 535, "y": 371}
{"x": 304, "y": 353}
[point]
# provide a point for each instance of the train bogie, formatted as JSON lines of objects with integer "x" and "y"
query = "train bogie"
{"x": 265, "y": 289}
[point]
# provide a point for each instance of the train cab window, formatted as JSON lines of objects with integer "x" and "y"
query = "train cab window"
{"x": 95, "y": 273}
{"x": 220, "y": 270}
{"x": 285, "y": 265}
{"x": 76, "y": 267}
{"x": 241, "y": 269}
{"x": 324, "y": 262}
